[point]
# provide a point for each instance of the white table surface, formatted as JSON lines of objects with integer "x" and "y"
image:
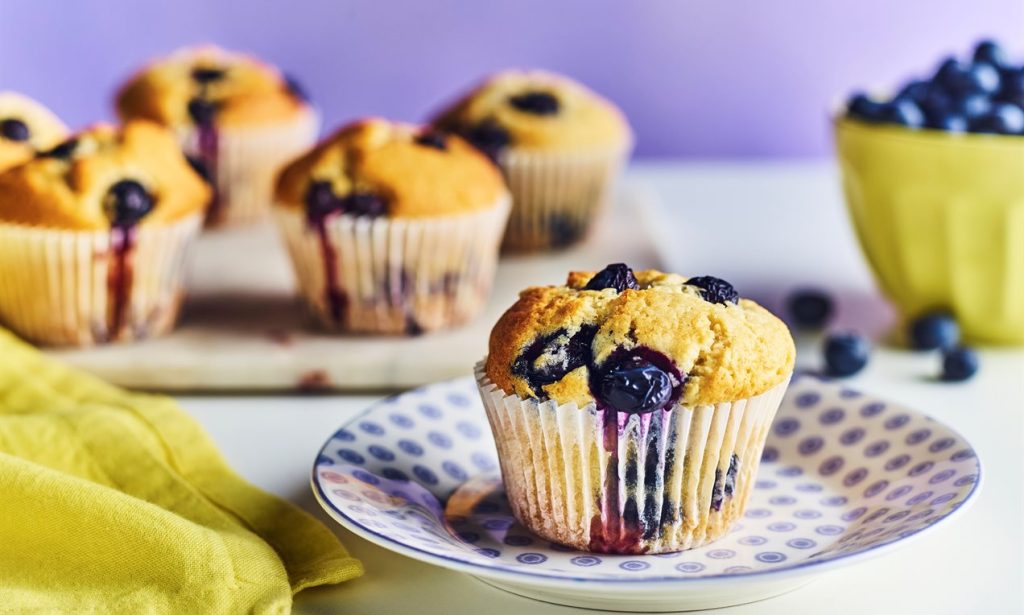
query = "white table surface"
{"x": 974, "y": 565}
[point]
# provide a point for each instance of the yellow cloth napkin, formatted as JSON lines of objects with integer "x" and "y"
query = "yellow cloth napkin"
{"x": 118, "y": 502}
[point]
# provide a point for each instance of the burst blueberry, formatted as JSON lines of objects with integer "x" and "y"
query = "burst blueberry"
{"x": 14, "y": 129}
{"x": 321, "y": 200}
{"x": 549, "y": 358}
{"x": 127, "y": 202}
{"x": 365, "y": 204}
{"x": 537, "y": 103}
{"x": 206, "y": 75}
{"x": 846, "y": 354}
{"x": 202, "y": 111}
{"x": 490, "y": 137}
{"x": 715, "y": 290}
{"x": 958, "y": 364}
{"x": 810, "y": 308}
{"x": 933, "y": 331}
{"x": 632, "y": 383}
{"x": 617, "y": 276}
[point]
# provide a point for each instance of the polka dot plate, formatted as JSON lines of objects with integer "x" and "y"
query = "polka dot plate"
{"x": 844, "y": 477}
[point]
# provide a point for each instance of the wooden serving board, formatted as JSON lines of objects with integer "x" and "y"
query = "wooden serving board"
{"x": 244, "y": 329}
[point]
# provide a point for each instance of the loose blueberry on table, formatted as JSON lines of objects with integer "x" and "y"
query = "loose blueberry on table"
{"x": 14, "y": 129}
{"x": 810, "y": 308}
{"x": 959, "y": 364}
{"x": 936, "y": 330}
{"x": 846, "y": 354}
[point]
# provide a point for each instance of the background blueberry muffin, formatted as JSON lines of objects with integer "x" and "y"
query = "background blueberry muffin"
{"x": 560, "y": 145}
{"x": 630, "y": 410}
{"x": 26, "y": 127}
{"x": 393, "y": 228}
{"x": 93, "y": 233}
{"x": 239, "y": 120}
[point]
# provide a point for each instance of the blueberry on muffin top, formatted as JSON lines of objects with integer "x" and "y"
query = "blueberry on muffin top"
{"x": 638, "y": 342}
{"x": 208, "y": 85}
{"x": 25, "y": 128}
{"x": 535, "y": 110}
{"x": 375, "y": 167}
{"x": 104, "y": 177}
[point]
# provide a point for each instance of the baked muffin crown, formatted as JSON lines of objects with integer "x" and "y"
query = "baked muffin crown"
{"x": 207, "y": 84}
{"x": 104, "y": 176}
{"x": 26, "y": 127}
{"x": 375, "y": 167}
{"x": 535, "y": 110}
{"x": 639, "y": 342}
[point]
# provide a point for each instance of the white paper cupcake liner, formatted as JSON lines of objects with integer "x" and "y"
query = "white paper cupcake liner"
{"x": 395, "y": 275}
{"x": 61, "y": 287}
{"x": 651, "y": 483}
{"x": 556, "y": 197}
{"x": 247, "y": 163}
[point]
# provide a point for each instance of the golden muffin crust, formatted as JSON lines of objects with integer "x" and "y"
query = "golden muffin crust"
{"x": 242, "y": 90}
{"x": 536, "y": 110}
{"x": 723, "y": 351}
{"x": 39, "y": 129}
{"x": 416, "y": 173}
{"x": 69, "y": 187}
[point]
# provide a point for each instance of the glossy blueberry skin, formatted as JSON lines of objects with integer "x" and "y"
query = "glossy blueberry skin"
{"x": 972, "y": 105}
{"x": 957, "y": 77}
{"x": 617, "y": 275}
{"x": 959, "y": 364}
{"x": 810, "y": 308}
{"x": 864, "y": 108}
{"x": 917, "y": 91}
{"x": 991, "y": 53}
{"x": 715, "y": 290}
{"x": 846, "y": 354}
{"x": 905, "y": 113}
{"x": 321, "y": 200}
{"x": 632, "y": 384}
{"x": 127, "y": 202}
{"x": 950, "y": 122}
{"x": 1003, "y": 118}
{"x": 933, "y": 331}
{"x": 14, "y": 129}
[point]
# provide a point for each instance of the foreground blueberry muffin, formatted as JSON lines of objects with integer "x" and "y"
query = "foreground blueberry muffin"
{"x": 630, "y": 410}
{"x": 560, "y": 145}
{"x": 26, "y": 127}
{"x": 93, "y": 233}
{"x": 393, "y": 228}
{"x": 239, "y": 119}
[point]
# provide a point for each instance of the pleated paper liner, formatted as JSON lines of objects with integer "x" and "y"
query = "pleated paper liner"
{"x": 246, "y": 164}
{"x": 659, "y": 482}
{"x": 556, "y": 197}
{"x": 81, "y": 288}
{"x": 395, "y": 275}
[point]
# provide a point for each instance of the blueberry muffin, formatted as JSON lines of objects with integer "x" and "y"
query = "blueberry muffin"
{"x": 26, "y": 127}
{"x": 239, "y": 120}
{"x": 393, "y": 228}
{"x": 560, "y": 146}
{"x": 630, "y": 410}
{"x": 93, "y": 234}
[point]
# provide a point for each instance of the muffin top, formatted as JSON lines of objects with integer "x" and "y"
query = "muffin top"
{"x": 104, "y": 177}
{"x": 26, "y": 127}
{"x": 637, "y": 343}
{"x": 535, "y": 110}
{"x": 208, "y": 85}
{"x": 374, "y": 167}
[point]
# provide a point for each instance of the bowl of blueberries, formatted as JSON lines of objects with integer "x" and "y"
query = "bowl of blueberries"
{"x": 934, "y": 182}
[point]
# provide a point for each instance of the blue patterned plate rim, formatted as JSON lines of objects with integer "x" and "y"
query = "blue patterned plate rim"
{"x": 548, "y": 579}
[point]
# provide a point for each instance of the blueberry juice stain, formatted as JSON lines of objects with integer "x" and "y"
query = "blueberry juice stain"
{"x": 120, "y": 276}
{"x": 202, "y": 113}
{"x": 321, "y": 204}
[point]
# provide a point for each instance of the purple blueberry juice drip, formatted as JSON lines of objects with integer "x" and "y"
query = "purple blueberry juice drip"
{"x": 725, "y": 486}
{"x": 208, "y": 152}
{"x": 337, "y": 300}
{"x": 120, "y": 277}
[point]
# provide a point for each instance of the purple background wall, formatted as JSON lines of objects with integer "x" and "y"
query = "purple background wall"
{"x": 704, "y": 78}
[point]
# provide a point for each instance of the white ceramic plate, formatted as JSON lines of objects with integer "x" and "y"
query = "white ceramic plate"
{"x": 844, "y": 477}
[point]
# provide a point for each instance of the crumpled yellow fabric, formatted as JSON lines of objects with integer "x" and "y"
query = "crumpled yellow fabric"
{"x": 118, "y": 502}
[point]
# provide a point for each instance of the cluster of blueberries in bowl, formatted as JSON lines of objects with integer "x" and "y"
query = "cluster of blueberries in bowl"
{"x": 847, "y": 353}
{"x": 983, "y": 95}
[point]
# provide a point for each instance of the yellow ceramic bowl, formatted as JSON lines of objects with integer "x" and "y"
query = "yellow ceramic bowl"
{"x": 940, "y": 218}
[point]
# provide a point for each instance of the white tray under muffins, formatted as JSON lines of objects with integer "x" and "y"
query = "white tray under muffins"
{"x": 243, "y": 328}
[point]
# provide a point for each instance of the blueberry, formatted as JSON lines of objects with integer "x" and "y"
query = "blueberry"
{"x": 564, "y": 230}
{"x": 810, "y": 308}
{"x": 990, "y": 52}
{"x": 950, "y": 122}
{"x": 365, "y": 204}
{"x": 984, "y": 78}
{"x": 618, "y": 276}
{"x": 863, "y": 108}
{"x": 1013, "y": 86}
{"x": 917, "y": 91}
{"x": 206, "y": 75}
{"x": 202, "y": 111}
{"x": 127, "y": 202}
{"x": 1003, "y": 118}
{"x": 14, "y": 129}
{"x": 537, "y": 103}
{"x": 63, "y": 151}
{"x": 549, "y": 358}
{"x": 321, "y": 200}
{"x": 715, "y": 290}
{"x": 905, "y": 113}
{"x": 932, "y": 331}
{"x": 490, "y": 137}
{"x": 296, "y": 88}
{"x": 846, "y": 354}
{"x": 201, "y": 169}
{"x": 972, "y": 105}
{"x": 958, "y": 364}
{"x": 432, "y": 139}
{"x": 632, "y": 383}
